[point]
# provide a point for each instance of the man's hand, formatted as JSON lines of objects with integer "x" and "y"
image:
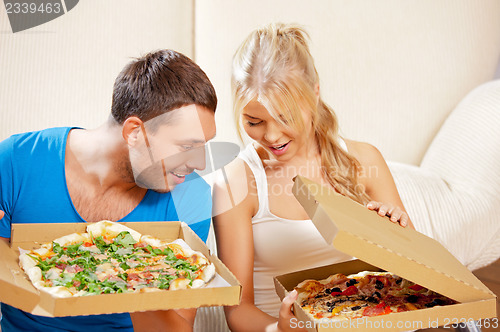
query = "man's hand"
{"x": 1, "y": 214}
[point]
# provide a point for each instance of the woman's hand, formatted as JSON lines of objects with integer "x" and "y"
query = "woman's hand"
{"x": 395, "y": 214}
{"x": 287, "y": 320}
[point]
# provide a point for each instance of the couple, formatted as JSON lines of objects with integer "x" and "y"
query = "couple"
{"x": 138, "y": 166}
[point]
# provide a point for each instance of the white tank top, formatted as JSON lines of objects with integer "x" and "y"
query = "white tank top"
{"x": 281, "y": 245}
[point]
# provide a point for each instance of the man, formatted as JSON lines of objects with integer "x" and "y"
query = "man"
{"x": 162, "y": 115}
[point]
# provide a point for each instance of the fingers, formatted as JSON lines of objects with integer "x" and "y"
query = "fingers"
{"x": 373, "y": 205}
{"x": 286, "y": 304}
{"x": 404, "y": 220}
{"x": 286, "y": 315}
{"x": 1, "y": 214}
{"x": 395, "y": 214}
{"x": 380, "y": 207}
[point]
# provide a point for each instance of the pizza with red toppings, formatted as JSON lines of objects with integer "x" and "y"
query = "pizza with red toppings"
{"x": 113, "y": 258}
{"x": 365, "y": 294}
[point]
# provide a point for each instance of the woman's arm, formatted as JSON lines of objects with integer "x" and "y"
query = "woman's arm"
{"x": 233, "y": 229}
{"x": 379, "y": 183}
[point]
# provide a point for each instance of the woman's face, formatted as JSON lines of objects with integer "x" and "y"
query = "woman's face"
{"x": 282, "y": 142}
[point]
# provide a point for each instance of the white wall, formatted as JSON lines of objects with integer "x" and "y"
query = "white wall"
{"x": 497, "y": 73}
{"x": 393, "y": 70}
{"x": 61, "y": 73}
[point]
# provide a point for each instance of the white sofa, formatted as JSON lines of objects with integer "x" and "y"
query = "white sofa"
{"x": 412, "y": 77}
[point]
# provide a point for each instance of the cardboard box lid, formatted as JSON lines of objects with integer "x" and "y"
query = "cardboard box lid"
{"x": 357, "y": 231}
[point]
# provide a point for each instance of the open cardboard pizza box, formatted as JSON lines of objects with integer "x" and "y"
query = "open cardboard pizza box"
{"x": 16, "y": 289}
{"x": 381, "y": 245}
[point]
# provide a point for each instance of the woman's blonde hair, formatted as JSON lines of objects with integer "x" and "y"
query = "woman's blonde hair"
{"x": 274, "y": 67}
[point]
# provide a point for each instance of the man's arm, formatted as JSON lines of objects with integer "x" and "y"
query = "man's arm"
{"x": 181, "y": 320}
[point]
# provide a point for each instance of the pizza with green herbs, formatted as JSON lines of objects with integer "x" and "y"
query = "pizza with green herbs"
{"x": 113, "y": 258}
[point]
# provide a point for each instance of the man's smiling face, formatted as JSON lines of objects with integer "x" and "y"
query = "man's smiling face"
{"x": 172, "y": 147}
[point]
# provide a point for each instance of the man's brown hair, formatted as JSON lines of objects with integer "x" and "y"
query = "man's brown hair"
{"x": 158, "y": 83}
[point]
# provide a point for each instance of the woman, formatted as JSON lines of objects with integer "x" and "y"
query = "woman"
{"x": 265, "y": 232}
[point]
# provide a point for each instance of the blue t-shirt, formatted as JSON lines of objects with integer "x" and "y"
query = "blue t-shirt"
{"x": 33, "y": 190}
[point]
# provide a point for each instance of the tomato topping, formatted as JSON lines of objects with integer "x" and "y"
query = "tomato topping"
{"x": 416, "y": 287}
{"x": 380, "y": 309}
{"x": 88, "y": 244}
{"x": 351, "y": 290}
{"x": 318, "y": 315}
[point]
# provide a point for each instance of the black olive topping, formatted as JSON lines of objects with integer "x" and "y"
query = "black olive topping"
{"x": 351, "y": 282}
{"x": 356, "y": 308}
{"x": 377, "y": 294}
{"x": 412, "y": 298}
{"x": 335, "y": 290}
{"x": 371, "y": 299}
{"x": 379, "y": 284}
{"x": 438, "y": 302}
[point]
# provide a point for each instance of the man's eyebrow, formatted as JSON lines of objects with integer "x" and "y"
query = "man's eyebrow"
{"x": 192, "y": 141}
{"x": 195, "y": 140}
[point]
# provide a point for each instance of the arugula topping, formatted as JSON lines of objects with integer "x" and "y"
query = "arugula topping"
{"x": 125, "y": 240}
{"x": 47, "y": 264}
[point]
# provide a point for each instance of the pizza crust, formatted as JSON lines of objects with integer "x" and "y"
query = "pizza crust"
{"x": 106, "y": 228}
{"x": 71, "y": 239}
{"x": 208, "y": 273}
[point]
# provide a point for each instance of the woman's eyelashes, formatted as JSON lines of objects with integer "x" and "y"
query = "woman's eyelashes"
{"x": 252, "y": 123}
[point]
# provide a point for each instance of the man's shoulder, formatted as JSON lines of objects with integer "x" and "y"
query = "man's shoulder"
{"x": 28, "y": 139}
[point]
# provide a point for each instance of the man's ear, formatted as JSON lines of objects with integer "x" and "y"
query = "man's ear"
{"x": 131, "y": 130}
